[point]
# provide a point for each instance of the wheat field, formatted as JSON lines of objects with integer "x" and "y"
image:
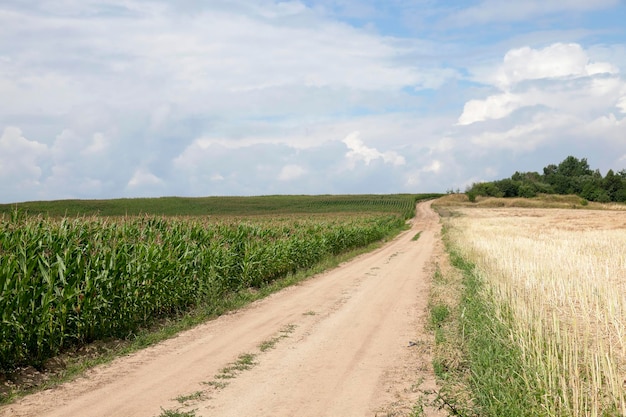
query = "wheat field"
{"x": 558, "y": 280}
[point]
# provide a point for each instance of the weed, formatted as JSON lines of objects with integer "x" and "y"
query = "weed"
{"x": 175, "y": 413}
{"x": 245, "y": 362}
{"x": 284, "y": 332}
{"x": 438, "y": 314}
{"x": 226, "y": 373}
{"x": 198, "y": 395}
{"x": 288, "y": 329}
{"x": 216, "y": 384}
{"x": 268, "y": 344}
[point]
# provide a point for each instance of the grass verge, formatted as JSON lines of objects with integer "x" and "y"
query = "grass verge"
{"x": 478, "y": 367}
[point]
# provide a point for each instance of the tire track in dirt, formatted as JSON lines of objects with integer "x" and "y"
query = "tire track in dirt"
{"x": 347, "y": 354}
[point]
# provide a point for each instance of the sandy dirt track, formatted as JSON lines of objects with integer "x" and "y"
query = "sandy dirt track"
{"x": 354, "y": 345}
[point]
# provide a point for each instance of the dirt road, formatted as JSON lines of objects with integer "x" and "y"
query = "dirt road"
{"x": 349, "y": 342}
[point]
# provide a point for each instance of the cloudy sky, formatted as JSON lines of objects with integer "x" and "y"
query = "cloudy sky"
{"x": 133, "y": 98}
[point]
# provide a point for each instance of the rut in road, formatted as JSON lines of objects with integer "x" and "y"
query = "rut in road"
{"x": 349, "y": 342}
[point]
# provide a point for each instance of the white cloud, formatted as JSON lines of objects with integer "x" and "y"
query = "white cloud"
{"x": 523, "y": 136}
{"x": 159, "y": 116}
{"x": 291, "y": 172}
{"x": 559, "y": 77}
{"x": 434, "y": 166}
{"x": 555, "y": 61}
{"x": 20, "y": 159}
{"x": 360, "y": 152}
{"x": 607, "y": 127}
{"x": 98, "y": 144}
{"x": 431, "y": 168}
{"x": 142, "y": 177}
{"x": 152, "y": 97}
{"x": 493, "y": 107}
{"x": 621, "y": 104}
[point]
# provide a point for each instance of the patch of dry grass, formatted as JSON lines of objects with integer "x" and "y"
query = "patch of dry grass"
{"x": 541, "y": 201}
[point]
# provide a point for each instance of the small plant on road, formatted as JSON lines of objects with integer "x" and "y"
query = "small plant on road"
{"x": 174, "y": 413}
{"x": 198, "y": 395}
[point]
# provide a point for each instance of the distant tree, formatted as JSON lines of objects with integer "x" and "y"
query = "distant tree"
{"x": 570, "y": 176}
{"x": 526, "y": 177}
{"x": 613, "y": 185}
{"x": 549, "y": 172}
{"x": 508, "y": 187}
{"x": 486, "y": 189}
{"x": 574, "y": 167}
{"x": 561, "y": 184}
{"x": 527, "y": 191}
{"x": 601, "y": 196}
{"x": 566, "y": 178}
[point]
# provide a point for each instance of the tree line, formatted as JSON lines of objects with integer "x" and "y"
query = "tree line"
{"x": 571, "y": 176}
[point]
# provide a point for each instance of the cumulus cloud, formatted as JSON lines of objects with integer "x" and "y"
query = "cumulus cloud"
{"x": 20, "y": 158}
{"x": 493, "y": 107}
{"x": 150, "y": 97}
{"x": 98, "y": 144}
{"x": 555, "y": 61}
{"x": 621, "y": 104}
{"x": 430, "y": 168}
{"x": 524, "y": 136}
{"x": 291, "y": 172}
{"x": 143, "y": 177}
{"x": 434, "y": 166}
{"x": 558, "y": 77}
{"x": 358, "y": 151}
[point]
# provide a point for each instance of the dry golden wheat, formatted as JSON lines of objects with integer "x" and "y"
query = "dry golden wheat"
{"x": 559, "y": 278}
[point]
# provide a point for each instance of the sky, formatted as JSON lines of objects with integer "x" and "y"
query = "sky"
{"x": 147, "y": 98}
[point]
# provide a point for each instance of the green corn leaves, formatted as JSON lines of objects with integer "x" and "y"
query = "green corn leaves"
{"x": 68, "y": 282}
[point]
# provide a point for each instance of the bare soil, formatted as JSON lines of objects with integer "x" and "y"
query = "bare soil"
{"x": 349, "y": 342}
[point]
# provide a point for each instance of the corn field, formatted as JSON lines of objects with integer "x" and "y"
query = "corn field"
{"x": 66, "y": 282}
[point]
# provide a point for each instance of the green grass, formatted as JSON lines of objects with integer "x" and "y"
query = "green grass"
{"x": 486, "y": 379}
{"x": 244, "y": 362}
{"x": 438, "y": 314}
{"x": 174, "y": 413}
{"x": 271, "y": 343}
{"x": 417, "y": 236}
{"x": 198, "y": 395}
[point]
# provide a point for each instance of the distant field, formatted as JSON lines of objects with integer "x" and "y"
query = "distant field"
{"x": 230, "y": 206}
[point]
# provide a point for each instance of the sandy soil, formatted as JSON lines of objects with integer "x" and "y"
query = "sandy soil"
{"x": 349, "y": 342}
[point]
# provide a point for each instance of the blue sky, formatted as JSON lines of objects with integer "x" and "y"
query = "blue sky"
{"x": 134, "y": 98}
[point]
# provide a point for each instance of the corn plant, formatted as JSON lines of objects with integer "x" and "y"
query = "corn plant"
{"x": 67, "y": 282}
